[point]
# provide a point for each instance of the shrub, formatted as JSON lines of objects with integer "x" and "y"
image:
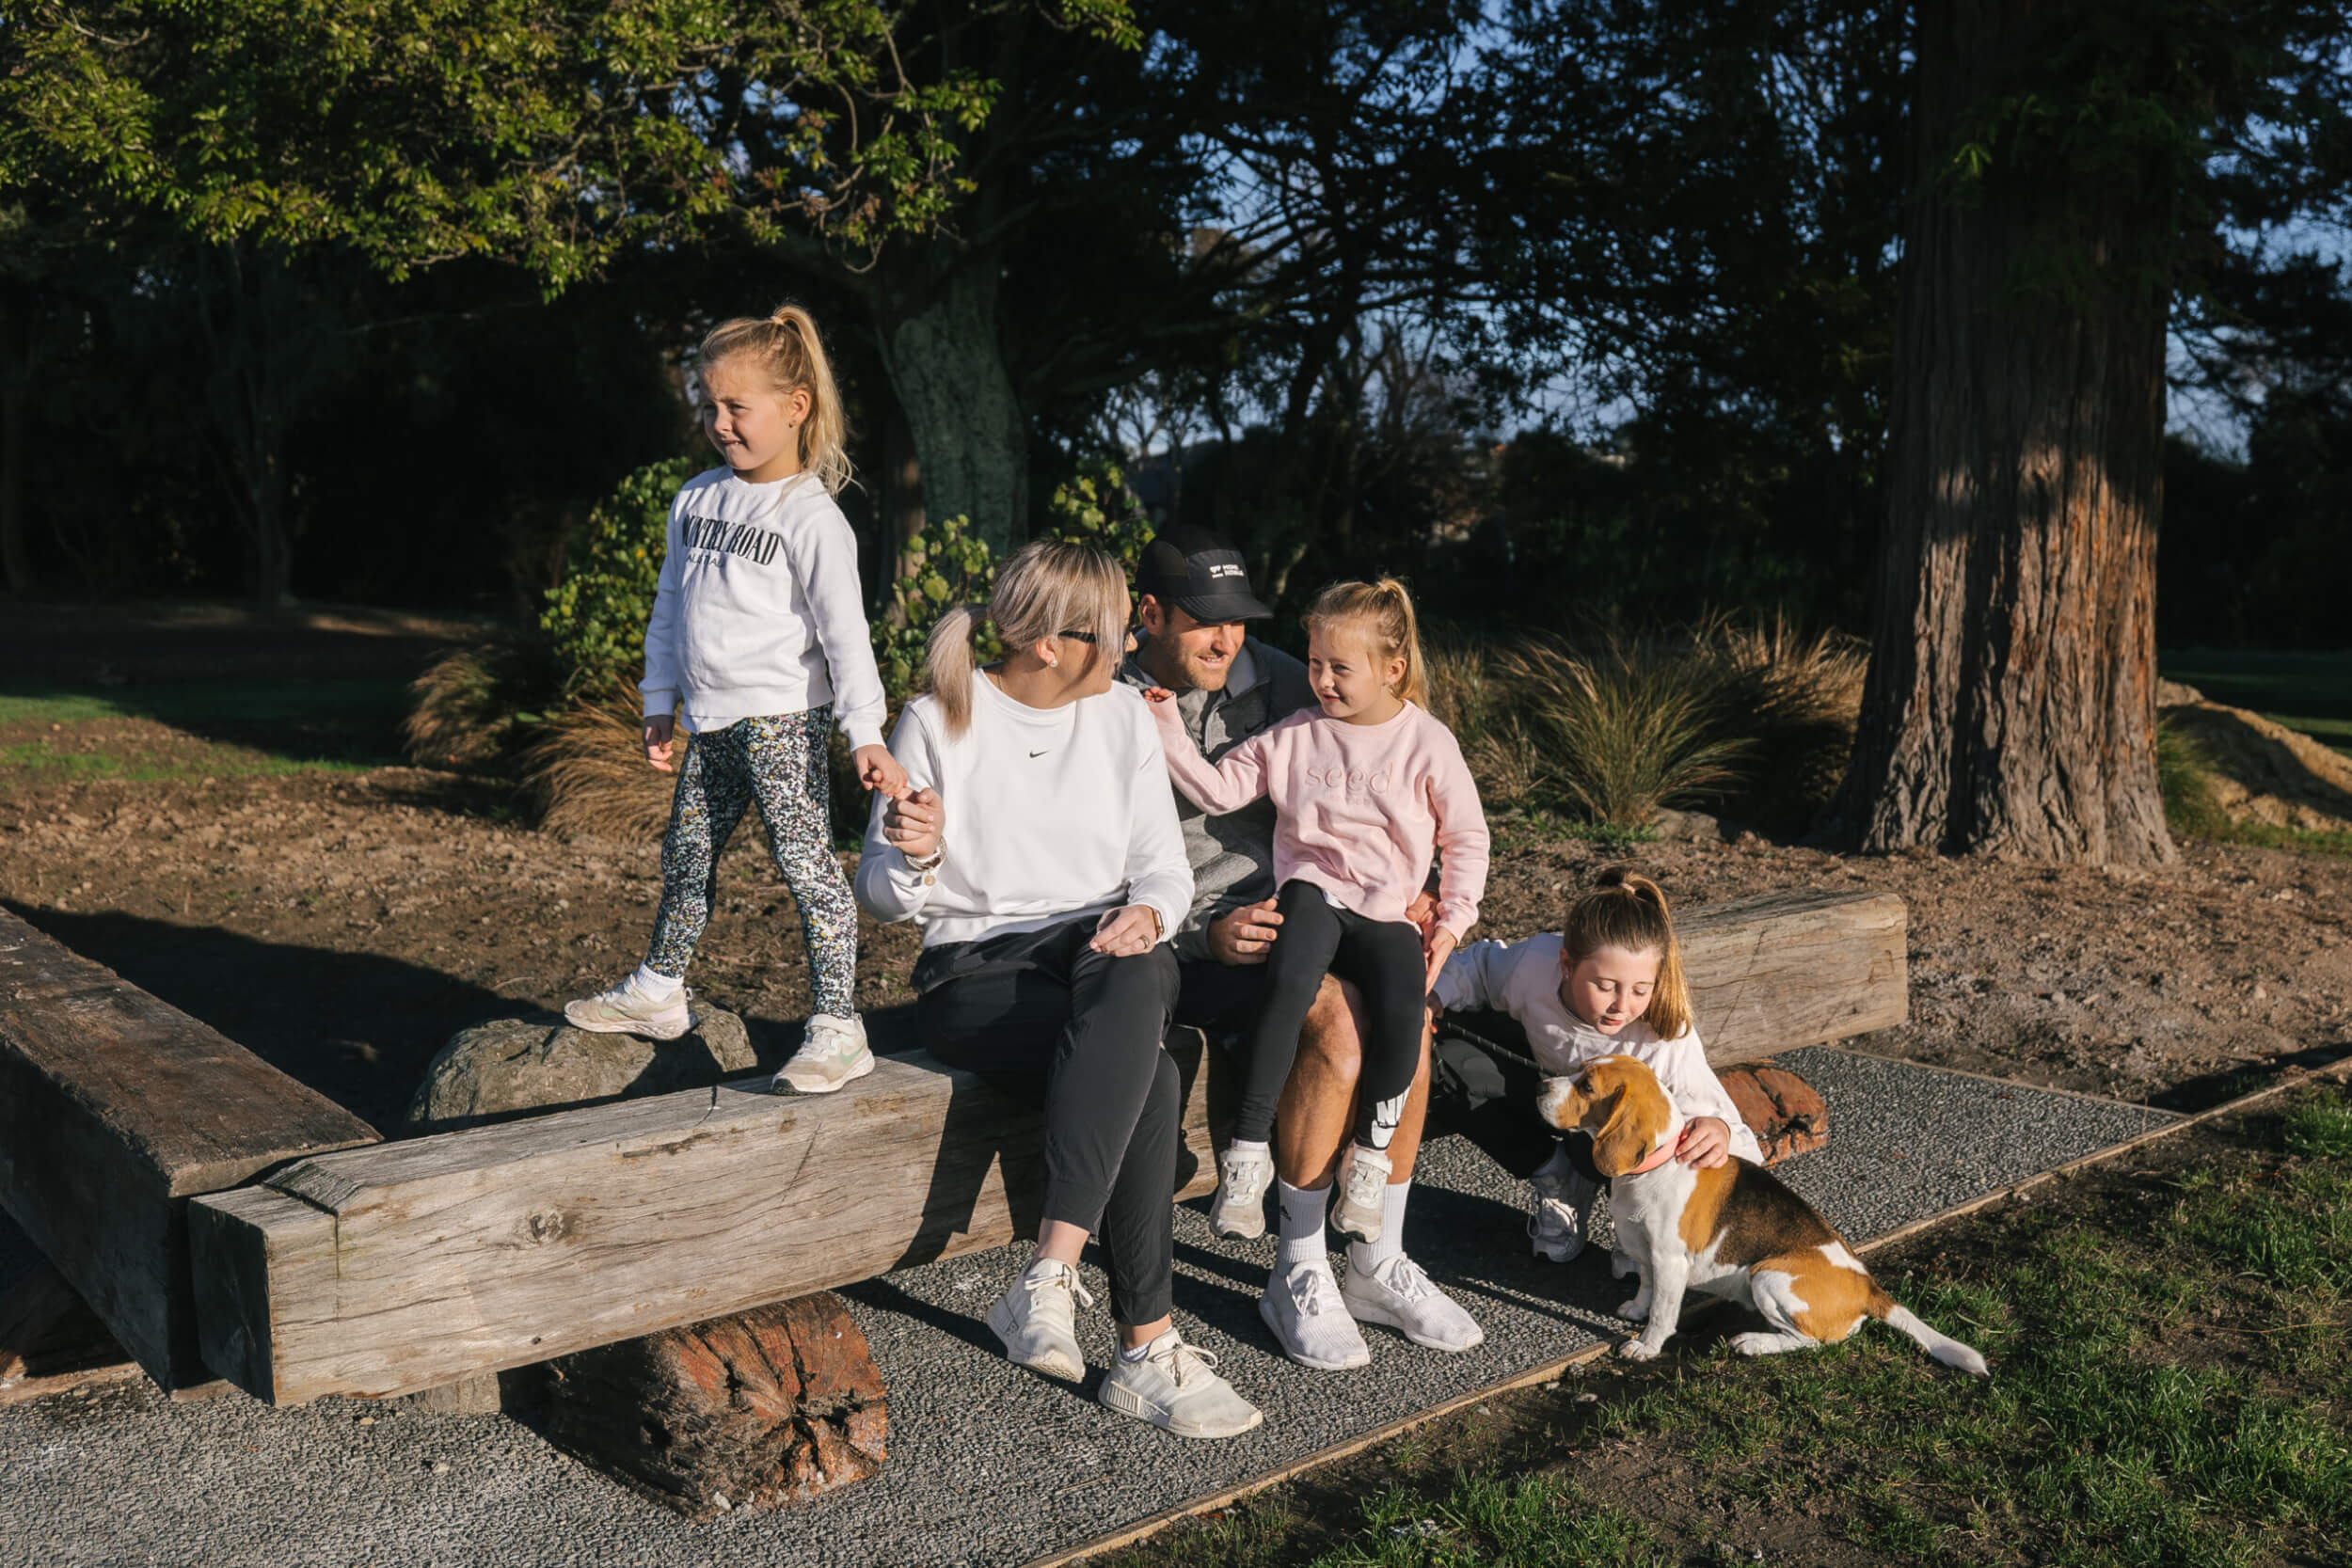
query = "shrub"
{"x": 1626, "y": 731}
{"x": 473, "y": 708}
{"x": 944, "y": 565}
{"x": 585, "y": 768}
{"x": 595, "y": 616}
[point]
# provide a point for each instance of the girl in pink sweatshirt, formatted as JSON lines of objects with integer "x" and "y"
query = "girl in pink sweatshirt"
{"x": 1364, "y": 788}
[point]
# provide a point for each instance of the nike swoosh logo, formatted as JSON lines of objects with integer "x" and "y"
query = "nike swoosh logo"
{"x": 1041, "y": 753}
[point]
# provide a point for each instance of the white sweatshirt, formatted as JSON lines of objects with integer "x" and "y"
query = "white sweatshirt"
{"x": 758, "y": 610}
{"x": 1050, "y": 814}
{"x": 1523, "y": 979}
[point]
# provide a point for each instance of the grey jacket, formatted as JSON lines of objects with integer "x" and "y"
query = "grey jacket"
{"x": 1232, "y": 855}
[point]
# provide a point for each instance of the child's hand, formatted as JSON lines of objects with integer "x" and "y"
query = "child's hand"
{"x": 657, "y": 734}
{"x": 1706, "y": 1142}
{"x": 1158, "y": 694}
{"x": 1422, "y": 913}
{"x": 1125, "y": 933}
{"x": 879, "y": 771}
{"x": 1438, "y": 945}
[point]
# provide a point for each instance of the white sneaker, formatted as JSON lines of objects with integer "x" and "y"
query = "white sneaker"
{"x": 1398, "y": 1294}
{"x": 1560, "y": 1214}
{"x": 1035, "y": 1319}
{"x": 1176, "y": 1387}
{"x": 1311, "y": 1321}
{"x": 1243, "y": 1176}
{"x": 1363, "y": 1182}
{"x": 832, "y": 1051}
{"x": 627, "y": 1011}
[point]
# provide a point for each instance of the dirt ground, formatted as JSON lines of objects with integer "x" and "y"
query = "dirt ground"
{"x": 344, "y": 925}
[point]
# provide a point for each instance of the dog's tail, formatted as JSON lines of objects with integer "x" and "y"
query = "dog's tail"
{"x": 1940, "y": 1347}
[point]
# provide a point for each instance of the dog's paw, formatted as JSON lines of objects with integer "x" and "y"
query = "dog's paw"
{"x": 1638, "y": 1349}
{"x": 1634, "y": 1311}
{"x": 1622, "y": 1266}
{"x": 1756, "y": 1344}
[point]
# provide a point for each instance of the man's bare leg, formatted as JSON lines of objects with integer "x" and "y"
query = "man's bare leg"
{"x": 1318, "y": 1104}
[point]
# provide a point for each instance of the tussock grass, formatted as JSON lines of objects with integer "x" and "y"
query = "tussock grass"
{"x": 585, "y": 771}
{"x": 475, "y": 708}
{"x": 1755, "y": 718}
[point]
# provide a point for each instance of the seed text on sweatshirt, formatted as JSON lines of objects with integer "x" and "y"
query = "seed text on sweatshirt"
{"x": 1360, "y": 808}
{"x": 1051, "y": 814}
{"x": 758, "y": 610}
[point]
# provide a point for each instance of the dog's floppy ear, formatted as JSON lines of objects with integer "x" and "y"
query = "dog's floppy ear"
{"x": 1638, "y": 1113}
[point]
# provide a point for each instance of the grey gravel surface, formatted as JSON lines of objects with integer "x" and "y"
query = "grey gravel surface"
{"x": 989, "y": 1464}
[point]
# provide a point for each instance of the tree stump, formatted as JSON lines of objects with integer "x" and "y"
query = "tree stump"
{"x": 764, "y": 1409}
{"x": 1784, "y": 1111}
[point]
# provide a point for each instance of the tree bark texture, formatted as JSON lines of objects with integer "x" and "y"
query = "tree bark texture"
{"x": 763, "y": 1409}
{"x": 2010, "y": 707}
{"x": 945, "y": 357}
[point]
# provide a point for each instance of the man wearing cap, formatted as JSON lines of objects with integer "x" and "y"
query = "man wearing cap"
{"x": 1195, "y": 598}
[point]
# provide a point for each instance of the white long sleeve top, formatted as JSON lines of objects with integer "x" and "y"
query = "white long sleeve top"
{"x": 1523, "y": 979}
{"x": 1051, "y": 814}
{"x": 758, "y": 610}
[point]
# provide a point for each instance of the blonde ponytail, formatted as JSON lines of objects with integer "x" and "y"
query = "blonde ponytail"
{"x": 1385, "y": 610}
{"x": 790, "y": 348}
{"x": 1626, "y": 910}
{"x": 1046, "y": 586}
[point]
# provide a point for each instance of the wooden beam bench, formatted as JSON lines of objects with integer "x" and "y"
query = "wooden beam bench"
{"x": 115, "y": 1110}
{"x": 398, "y": 1268}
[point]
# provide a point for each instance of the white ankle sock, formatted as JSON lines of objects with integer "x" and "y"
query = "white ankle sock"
{"x": 1364, "y": 1256}
{"x": 657, "y": 987}
{"x": 1301, "y": 1214}
{"x": 1248, "y": 1147}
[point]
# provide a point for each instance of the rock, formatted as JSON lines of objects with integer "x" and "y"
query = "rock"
{"x": 764, "y": 1409}
{"x": 1687, "y": 827}
{"x": 1782, "y": 1110}
{"x": 501, "y": 1070}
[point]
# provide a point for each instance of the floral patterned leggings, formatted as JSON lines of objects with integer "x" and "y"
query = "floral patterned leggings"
{"x": 780, "y": 762}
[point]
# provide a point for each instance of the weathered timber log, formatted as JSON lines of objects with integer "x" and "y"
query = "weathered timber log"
{"x": 1785, "y": 1113}
{"x": 1790, "y": 969}
{"x": 393, "y": 1269}
{"x": 468, "y": 1252}
{"x": 115, "y": 1108}
{"x": 762, "y": 1409}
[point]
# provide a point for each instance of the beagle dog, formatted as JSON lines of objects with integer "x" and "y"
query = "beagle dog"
{"x": 1734, "y": 1231}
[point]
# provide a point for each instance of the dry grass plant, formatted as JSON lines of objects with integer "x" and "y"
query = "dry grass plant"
{"x": 472, "y": 708}
{"x": 586, "y": 772}
{"x": 1626, "y": 730}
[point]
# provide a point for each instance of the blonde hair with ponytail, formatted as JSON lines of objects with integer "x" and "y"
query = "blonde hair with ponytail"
{"x": 1048, "y": 586}
{"x": 787, "y": 347}
{"x": 1626, "y": 910}
{"x": 1385, "y": 611}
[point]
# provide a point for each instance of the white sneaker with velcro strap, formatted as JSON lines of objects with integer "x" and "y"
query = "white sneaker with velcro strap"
{"x": 1364, "y": 1184}
{"x": 1238, "y": 1211}
{"x": 627, "y": 1011}
{"x": 1560, "y": 1214}
{"x": 832, "y": 1053}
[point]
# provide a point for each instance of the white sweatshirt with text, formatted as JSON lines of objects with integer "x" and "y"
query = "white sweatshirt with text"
{"x": 758, "y": 610}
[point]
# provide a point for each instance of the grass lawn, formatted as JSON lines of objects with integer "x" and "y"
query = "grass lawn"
{"x": 197, "y": 729}
{"x": 2169, "y": 1389}
{"x": 2311, "y": 692}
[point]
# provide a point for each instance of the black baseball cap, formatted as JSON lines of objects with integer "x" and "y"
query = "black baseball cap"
{"x": 1201, "y": 574}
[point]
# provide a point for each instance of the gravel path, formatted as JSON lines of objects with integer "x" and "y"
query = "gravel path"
{"x": 989, "y": 1464}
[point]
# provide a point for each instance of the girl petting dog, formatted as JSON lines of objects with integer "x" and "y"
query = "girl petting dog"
{"x": 758, "y": 632}
{"x": 1610, "y": 983}
{"x": 1366, "y": 786}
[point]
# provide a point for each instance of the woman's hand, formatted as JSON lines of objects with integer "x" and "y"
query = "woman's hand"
{"x": 1706, "y": 1142}
{"x": 1436, "y": 947}
{"x": 657, "y": 733}
{"x": 912, "y": 824}
{"x": 1125, "y": 933}
{"x": 878, "y": 769}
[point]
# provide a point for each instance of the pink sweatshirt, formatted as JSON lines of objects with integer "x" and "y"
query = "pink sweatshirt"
{"x": 1359, "y": 806}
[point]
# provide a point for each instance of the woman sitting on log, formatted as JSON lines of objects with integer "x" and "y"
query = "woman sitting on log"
{"x": 1038, "y": 849}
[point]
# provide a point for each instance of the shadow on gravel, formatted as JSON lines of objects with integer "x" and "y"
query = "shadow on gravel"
{"x": 356, "y": 1028}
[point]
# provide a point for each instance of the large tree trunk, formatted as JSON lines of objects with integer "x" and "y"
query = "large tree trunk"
{"x": 946, "y": 358}
{"x": 267, "y": 351}
{"x": 2011, "y": 702}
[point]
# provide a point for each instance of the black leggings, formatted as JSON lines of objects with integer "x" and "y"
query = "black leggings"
{"x": 1490, "y": 1099}
{"x": 1044, "y": 1016}
{"x": 1383, "y": 959}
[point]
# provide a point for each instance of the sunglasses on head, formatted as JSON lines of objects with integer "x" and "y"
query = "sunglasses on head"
{"x": 1079, "y": 635}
